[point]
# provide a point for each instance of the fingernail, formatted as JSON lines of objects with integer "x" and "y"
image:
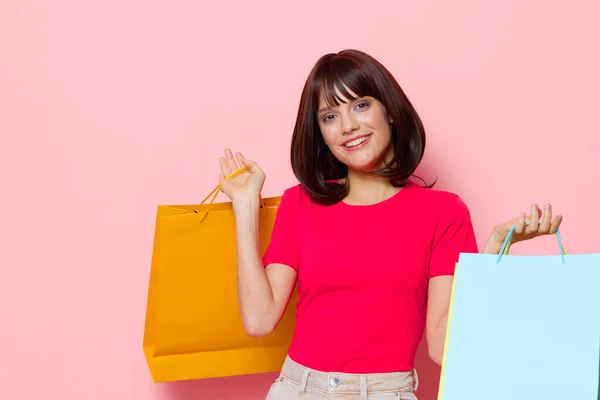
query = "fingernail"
{"x": 547, "y": 207}
{"x": 522, "y": 216}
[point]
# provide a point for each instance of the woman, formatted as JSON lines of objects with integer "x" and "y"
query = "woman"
{"x": 373, "y": 253}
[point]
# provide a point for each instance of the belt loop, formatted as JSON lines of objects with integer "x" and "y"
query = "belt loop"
{"x": 364, "y": 394}
{"x": 303, "y": 381}
{"x": 415, "y": 380}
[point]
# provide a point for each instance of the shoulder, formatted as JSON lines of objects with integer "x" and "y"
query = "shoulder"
{"x": 294, "y": 197}
{"x": 445, "y": 203}
{"x": 451, "y": 227}
{"x": 293, "y": 193}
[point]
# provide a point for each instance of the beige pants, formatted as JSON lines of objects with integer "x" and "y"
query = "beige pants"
{"x": 298, "y": 382}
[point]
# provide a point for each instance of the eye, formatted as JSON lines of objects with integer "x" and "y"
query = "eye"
{"x": 328, "y": 117}
{"x": 362, "y": 105}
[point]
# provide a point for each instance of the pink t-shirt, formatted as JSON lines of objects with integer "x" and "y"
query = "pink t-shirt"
{"x": 363, "y": 273}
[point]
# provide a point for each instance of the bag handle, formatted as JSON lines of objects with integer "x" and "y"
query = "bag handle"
{"x": 215, "y": 192}
{"x": 507, "y": 242}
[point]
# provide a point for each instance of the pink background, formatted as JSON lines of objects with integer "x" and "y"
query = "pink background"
{"x": 109, "y": 108}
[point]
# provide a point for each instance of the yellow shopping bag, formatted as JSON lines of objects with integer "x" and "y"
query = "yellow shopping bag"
{"x": 193, "y": 324}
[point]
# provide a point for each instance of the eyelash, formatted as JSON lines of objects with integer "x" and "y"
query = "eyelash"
{"x": 365, "y": 103}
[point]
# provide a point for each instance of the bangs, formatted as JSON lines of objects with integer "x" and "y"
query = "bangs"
{"x": 336, "y": 79}
{"x": 340, "y": 81}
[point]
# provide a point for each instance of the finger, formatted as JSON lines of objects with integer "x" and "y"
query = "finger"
{"x": 221, "y": 180}
{"x": 253, "y": 166}
{"x": 546, "y": 219}
{"x": 535, "y": 217}
{"x": 240, "y": 160}
{"x": 224, "y": 166}
{"x": 520, "y": 224}
{"x": 231, "y": 161}
{"x": 556, "y": 224}
{"x": 539, "y": 215}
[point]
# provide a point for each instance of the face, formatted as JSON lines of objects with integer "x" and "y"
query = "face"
{"x": 357, "y": 132}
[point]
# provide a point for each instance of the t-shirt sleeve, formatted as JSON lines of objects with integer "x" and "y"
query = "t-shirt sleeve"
{"x": 454, "y": 234}
{"x": 283, "y": 245}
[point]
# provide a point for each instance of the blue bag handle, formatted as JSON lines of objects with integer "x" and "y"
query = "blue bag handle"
{"x": 506, "y": 245}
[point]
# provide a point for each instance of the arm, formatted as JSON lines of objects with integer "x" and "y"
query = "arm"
{"x": 453, "y": 235}
{"x": 438, "y": 304}
{"x": 263, "y": 292}
{"x": 440, "y": 287}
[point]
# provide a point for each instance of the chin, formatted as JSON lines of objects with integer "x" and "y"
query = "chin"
{"x": 365, "y": 160}
{"x": 364, "y": 166}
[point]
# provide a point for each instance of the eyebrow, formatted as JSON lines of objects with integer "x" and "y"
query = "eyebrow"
{"x": 323, "y": 109}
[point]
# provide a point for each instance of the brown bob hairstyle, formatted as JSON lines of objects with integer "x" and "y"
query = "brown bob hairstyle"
{"x": 313, "y": 164}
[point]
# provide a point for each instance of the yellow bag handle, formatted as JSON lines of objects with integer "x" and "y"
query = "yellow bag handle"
{"x": 215, "y": 192}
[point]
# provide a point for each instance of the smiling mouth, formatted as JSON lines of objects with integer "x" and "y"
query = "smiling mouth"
{"x": 357, "y": 141}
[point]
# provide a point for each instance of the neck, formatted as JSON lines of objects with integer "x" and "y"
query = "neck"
{"x": 368, "y": 189}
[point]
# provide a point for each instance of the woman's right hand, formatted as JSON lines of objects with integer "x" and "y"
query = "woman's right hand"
{"x": 245, "y": 186}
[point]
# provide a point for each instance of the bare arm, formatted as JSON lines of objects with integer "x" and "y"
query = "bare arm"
{"x": 263, "y": 292}
{"x": 440, "y": 287}
{"x": 438, "y": 304}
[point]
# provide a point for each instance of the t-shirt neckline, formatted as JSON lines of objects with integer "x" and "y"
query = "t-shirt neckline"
{"x": 390, "y": 199}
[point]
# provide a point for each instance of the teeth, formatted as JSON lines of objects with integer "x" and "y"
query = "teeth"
{"x": 356, "y": 142}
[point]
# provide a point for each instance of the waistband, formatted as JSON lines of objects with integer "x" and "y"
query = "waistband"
{"x": 334, "y": 382}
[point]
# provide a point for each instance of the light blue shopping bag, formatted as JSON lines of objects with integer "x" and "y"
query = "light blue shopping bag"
{"x": 523, "y": 328}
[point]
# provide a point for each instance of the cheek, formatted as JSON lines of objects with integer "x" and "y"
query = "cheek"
{"x": 366, "y": 118}
{"x": 328, "y": 136}
{"x": 382, "y": 125}
{"x": 375, "y": 120}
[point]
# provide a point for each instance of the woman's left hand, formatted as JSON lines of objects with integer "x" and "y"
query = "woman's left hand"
{"x": 536, "y": 227}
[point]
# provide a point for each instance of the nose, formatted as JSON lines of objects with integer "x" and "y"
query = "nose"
{"x": 349, "y": 123}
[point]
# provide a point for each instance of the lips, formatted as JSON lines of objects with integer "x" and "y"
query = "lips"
{"x": 355, "y": 141}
